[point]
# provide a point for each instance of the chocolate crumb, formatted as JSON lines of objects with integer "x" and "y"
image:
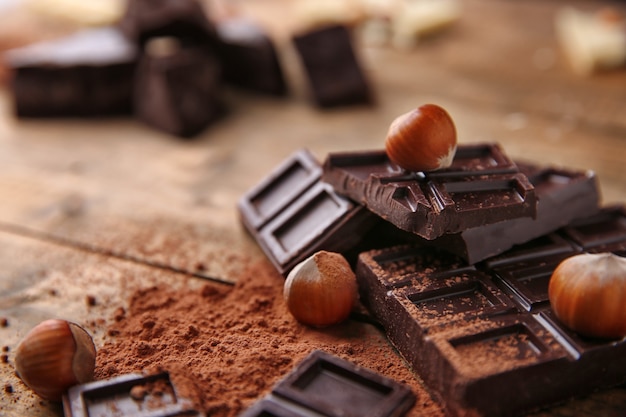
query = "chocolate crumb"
{"x": 90, "y": 300}
{"x": 5, "y": 348}
{"x": 4, "y": 358}
{"x": 4, "y": 322}
{"x": 8, "y": 388}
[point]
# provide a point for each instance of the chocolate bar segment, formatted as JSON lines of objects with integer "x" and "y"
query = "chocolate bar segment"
{"x": 185, "y": 20}
{"x": 177, "y": 87}
{"x": 326, "y": 385}
{"x": 563, "y": 195}
{"x": 87, "y": 74}
{"x": 483, "y": 337}
{"x": 128, "y": 395}
{"x": 334, "y": 73}
{"x": 292, "y": 214}
{"x": 482, "y": 186}
{"x": 249, "y": 57}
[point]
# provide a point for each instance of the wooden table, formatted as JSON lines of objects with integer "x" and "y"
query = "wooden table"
{"x": 96, "y": 202}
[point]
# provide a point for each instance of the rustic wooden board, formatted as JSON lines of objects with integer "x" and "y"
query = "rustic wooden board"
{"x": 116, "y": 196}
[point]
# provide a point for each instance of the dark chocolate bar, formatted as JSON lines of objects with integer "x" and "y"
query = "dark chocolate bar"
{"x": 249, "y": 57}
{"x": 126, "y": 396}
{"x": 177, "y": 88}
{"x": 87, "y": 74}
{"x": 563, "y": 195}
{"x": 325, "y": 385}
{"x": 334, "y": 73}
{"x": 483, "y": 337}
{"x": 183, "y": 19}
{"x": 292, "y": 214}
{"x": 482, "y": 186}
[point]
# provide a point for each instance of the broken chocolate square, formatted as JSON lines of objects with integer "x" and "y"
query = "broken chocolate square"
{"x": 87, "y": 74}
{"x": 334, "y": 73}
{"x": 482, "y": 186}
{"x": 177, "y": 87}
{"x": 126, "y": 396}
{"x": 249, "y": 57}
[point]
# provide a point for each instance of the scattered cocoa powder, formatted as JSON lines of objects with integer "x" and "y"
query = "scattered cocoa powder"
{"x": 226, "y": 347}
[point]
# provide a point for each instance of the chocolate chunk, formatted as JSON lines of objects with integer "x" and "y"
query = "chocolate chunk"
{"x": 87, "y": 74}
{"x": 330, "y": 62}
{"x": 118, "y": 397}
{"x": 325, "y": 385}
{"x": 563, "y": 195}
{"x": 249, "y": 57}
{"x": 183, "y": 19}
{"x": 292, "y": 214}
{"x": 484, "y": 338}
{"x": 177, "y": 87}
{"x": 482, "y": 186}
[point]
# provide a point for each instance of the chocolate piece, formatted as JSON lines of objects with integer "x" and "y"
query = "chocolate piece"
{"x": 183, "y": 19}
{"x": 177, "y": 87}
{"x": 249, "y": 57}
{"x": 482, "y": 186}
{"x": 562, "y": 196}
{"x": 325, "y": 385}
{"x": 87, "y": 74}
{"x": 330, "y": 62}
{"x": 483, "y": 337}
{"x": 127, "y": 395}
{"x": 292, "y": 214}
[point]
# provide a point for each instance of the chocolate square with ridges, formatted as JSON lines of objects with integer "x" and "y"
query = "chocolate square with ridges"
{"x": 335, "y": 387}
{"x": 563, "y": 195}
{"x": 292, "y": 214}
{"x": 128, "y": 395}
{"x": 481, "y": 187}
{"x": 489, "y": 328}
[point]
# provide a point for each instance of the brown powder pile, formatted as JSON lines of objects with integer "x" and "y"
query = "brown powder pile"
{"x": 226, "y": 347}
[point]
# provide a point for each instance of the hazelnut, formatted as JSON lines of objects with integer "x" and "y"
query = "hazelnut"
{"x": 588, "y": 294}
{"x": 54, "y": 356}
{"x": 423, "y": 139}
{"x": 321, "y": 290}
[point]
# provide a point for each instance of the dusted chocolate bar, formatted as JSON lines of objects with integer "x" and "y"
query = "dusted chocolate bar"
{"x": 249, "y": 57}
{"x": 482, "y": 186}
{"x": 126, "y": 396}
{"x": 330, "y": 62}
{"x": 177, "y": 87}
{"x": 292, "y": 214}
{"x": 87, "y": 74}
{"x": 484, "y": 338}
{"x": 328, "y": 386}
{"x": 563, "y": 195}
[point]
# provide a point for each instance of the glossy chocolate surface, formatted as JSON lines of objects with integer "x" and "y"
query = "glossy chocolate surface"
{"x": 484, "y": 337}
{"x": 563, "y": 195}
{"x": 482, "y": 186}
{"x": 326, "y": 385}
{"x": 126, "y": 396}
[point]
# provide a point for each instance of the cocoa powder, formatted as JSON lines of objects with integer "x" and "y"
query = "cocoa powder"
{"x": 226, "y": 347}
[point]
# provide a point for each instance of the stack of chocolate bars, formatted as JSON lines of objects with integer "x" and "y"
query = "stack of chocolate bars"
{"x": 455, "y": 265}
{"x": 166, "y": 62}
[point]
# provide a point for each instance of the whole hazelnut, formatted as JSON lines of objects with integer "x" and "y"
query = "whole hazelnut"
{"x": 321, "y": 290}
{"x": 423, "y": 139}
{"x": 588, "y": 294}
{"x": 54, "y": 356}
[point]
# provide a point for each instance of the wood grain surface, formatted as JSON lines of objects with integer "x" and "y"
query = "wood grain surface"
{"x": 99, "y": 203}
